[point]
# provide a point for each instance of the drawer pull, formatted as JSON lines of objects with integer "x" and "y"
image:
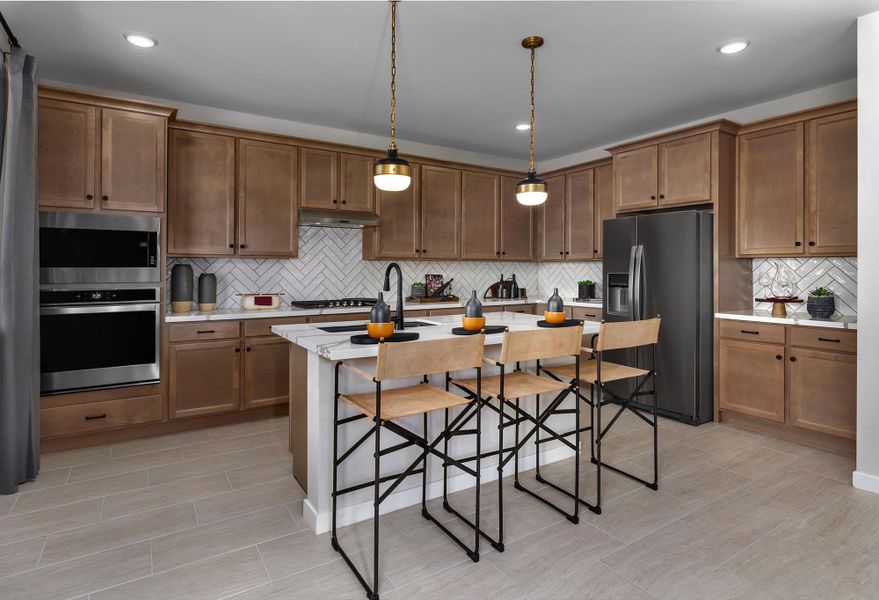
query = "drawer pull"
{"x": 588, "y": 315}
{"x": 96, "y": 417}
{"x": 793, "y": 359}
{"x": 206, "y": 331}
{"x": 778, "y": 357}
{"x": 821, "y": 339}
{"x": 749, "y": 332}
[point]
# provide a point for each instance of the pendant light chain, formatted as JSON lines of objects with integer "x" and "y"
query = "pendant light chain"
{"x": 393, "y": 74}
{"x": 532, "y": 110}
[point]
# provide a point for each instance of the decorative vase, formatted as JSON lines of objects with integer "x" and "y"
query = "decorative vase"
{"x": 502, "y": 288}
{"x": 181, "y": 288}
{"x": 821, "y": 307}
{"x": 585, "y": 291}
{"x": 207, "y": 292}
{"x": 555, "y": 304}
{"x": 514, "y": 287}
{"x": 473, "y": 308}
{"x": 380, "y": 312}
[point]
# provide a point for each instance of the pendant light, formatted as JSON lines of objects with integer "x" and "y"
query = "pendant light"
{"x": 531, "y": 191}
{"x": 392, "y": 173}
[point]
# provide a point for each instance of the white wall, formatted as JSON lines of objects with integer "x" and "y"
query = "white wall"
{"x": 867, "y": 474}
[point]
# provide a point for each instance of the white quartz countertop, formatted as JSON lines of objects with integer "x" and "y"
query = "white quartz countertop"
{"x": 338, "y": 346}
{"x": 235, "y": 314}
{"x": 805, "y": 319}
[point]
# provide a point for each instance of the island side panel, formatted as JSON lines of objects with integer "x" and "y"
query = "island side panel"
{"x": 299, "y": 413}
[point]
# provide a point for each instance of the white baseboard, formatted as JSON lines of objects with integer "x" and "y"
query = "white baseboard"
{"x": 412, "y": 496}
{"x": 865, "y": 481}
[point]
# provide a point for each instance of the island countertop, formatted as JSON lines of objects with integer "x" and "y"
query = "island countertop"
{"x": 337, "y": 345}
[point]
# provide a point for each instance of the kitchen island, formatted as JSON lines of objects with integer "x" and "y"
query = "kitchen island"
{"x": 313, "y": 357}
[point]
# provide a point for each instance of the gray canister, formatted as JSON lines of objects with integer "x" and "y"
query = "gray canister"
{"x": 181, "y": 288}
{"x": 555, "y": 304}
{"x": 207, "y": 292}
{"x": 473, "y": 308}
{"x": 380, "y": 312}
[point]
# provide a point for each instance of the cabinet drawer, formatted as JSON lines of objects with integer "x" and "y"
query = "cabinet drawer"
{"x": 585, "y": 314}
{"x": 97, "y": 416}
{"x": 824, "y": 339}
{"x": 526, "y": 309}
{"x": 209, "y": 330}
{"x": 438, "y": 312}
{"x": 256, "y": 327}
{"x": 755, "y": 332}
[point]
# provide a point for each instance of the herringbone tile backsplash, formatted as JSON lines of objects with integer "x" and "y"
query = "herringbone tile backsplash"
{"x": 835, "y": 273}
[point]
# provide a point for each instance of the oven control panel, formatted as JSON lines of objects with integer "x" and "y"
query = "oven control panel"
{"x": 103, "y": 296}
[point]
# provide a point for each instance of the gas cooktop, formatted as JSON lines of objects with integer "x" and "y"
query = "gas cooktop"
{"x": 341, "y": 303}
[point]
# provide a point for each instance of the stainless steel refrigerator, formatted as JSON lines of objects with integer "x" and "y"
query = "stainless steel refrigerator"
{"x": 661, "y": 264}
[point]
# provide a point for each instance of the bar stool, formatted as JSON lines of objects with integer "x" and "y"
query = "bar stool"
{"x": 383, "y": 406}
{"x": 596, "y": 373}
{"x": 510, "y": 388}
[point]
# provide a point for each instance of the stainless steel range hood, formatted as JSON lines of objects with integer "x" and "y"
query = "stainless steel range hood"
{"x": 313, "y": 217}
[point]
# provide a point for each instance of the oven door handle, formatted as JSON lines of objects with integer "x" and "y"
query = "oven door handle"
{"x": 99, "y": 308}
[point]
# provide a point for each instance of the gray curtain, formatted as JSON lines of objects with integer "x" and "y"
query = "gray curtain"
{"x": 19, "y": 275}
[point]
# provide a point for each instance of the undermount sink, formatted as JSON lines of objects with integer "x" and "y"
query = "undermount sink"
{"x": 362, "y": 326}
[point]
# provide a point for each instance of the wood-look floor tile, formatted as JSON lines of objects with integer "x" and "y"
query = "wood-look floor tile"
{"x": 251, "y": 427}
{"x": 626, "y": 423}
{"x": 673, "y": 458}
{"x": 115, "y": 533}
{"x": 740, "y": 517}
{"x": 215, "y": 578}
{"x": 20, "y": 556}
{"x": 638, "y": 513}
{"x": 786, "y": 446}
{"x": 622, "y": 447}
{"x": 166, "y": 494}
{"x": 702, "y": 483}
{"x": 264, "y": 473}
{"x": 215, "y": 464}
{"x": 81, "y": 576}
{"x": 685, "y": 430}
{"x": 593, "y": 581}
{"x": 226, "y": 445}
{"x": 76, "y": 492}
{"x": 726, "y": 584}
{"x": 163, "y": 442}
{"x": 793, "y": 487}
{"x": 522, "y": 515}
{"x": 46, "y": 479}
{"x": 465, "y": 581}
{"x": 527, "y": 561}
{"x": 229, "y": 504}
{"x": 752, "y": 461}
{"x": 69, "y": 458}
{"x": 300, "y": 551}
{"x": 720, "y": 441}
{"x": 7, "y": 501}
{"x": 205, "y": 541}
{"x": 44, "y": 522}
{"x": 670, "y": 560}
{"x": 828, "y": 464}
{"x": 128, "y": 464}
{"x": 847, "y": 516}
{"x": 402, "y": 558}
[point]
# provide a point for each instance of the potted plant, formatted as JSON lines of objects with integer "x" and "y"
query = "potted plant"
{"x": 585, "y": 289}
{"x": 418, "y": 290}
{"x": 821, "y": 303}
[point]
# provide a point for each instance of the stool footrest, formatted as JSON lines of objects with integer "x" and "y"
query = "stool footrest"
{"x": 367, "y": 484}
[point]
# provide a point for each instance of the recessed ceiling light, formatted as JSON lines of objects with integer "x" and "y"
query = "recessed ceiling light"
{"x": 523, "y": 127}
{"x": 733, "y": 47}
{"x": 141, "y": 41}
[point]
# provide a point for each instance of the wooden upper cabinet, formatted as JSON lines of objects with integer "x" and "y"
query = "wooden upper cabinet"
{"x": 832, "y": 184}
{"x": 356, "y": 188}
{"x": 770, "y": 187}
{"x": 204, "y": 378}
{"x": 201, "y": 194}
{"x": 319, "y": 173}
{"x": 440, "y": 213}
{"x": 132, "y": 160}
{"x": 578, "y": 215}
{"x": 267, "y": 199}
{"x": 603, "y": 190}
{"x": 822, "y": 391}
{"x": 751, "y": 379}
{"x": 517, "y": 224}
{"x": 66, "y": 149}
{"x": 635, "y": 179}
{"x": 480, "y": 214}
{"x": 398, "y": 234}
{"x": 685, "y": 170}
{"x": 551, "y": 234}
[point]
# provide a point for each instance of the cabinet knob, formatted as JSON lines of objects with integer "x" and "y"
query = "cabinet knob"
{"x": 793, "y": 359}
{"x": 424, "y": 251}
{"x": 653, "y": 197}
{"x": 237, "y": 349}
{"x": 248, "y": 349}
{"x": 778, "y": 357}
{"x": 811, "y": 243}
{"x": 242, "y": 245}
{"x": 498, "y": 253}
{"x": 231, "y": 245}
{"x": 661, "y": 196}
{"x": 344, "y": 202}
{"x": 503, "y": 252}
{"x": 88, "y": 196}
{"x": 566, "y": 252}
{"x": 798, "y": 243}
{"x": 105, "y": 198}
{"x": 335, "y": 201}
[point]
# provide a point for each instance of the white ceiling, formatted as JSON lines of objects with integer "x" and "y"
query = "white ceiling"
{"x": 608, "y": 71}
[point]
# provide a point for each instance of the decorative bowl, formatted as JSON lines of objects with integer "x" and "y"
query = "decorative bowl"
{"x": 554, "y": 318}
{"x": 380, "y": 330}
{"x": 473, "y": 323}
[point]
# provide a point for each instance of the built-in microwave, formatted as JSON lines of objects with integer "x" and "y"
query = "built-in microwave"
{"x": 78, "y": 248}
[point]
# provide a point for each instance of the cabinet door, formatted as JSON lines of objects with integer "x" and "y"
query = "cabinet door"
{"x": 551, "y": 227}
{"x": 440, "y": 213}
{"x": 603, "y": 190}
{"x": 480, "y": 213}
{"x": 266, "y": 371}
{"x": 517, "y": 224}
{"x": 66, "y": 148}
{"x": 634, "y": 175}
{"x": 770, "y": 183}
{"x": 578, "y": 215}
{"x": 132, "y": 161}
{"x": 822, "y": 391}
{"x": 319, "y": 170}
{"x": 267, "y": 193}
{"x": 201, "y": 194}
{"x": 204, "y": 378}
{"x": 356, "y": 189}
{"x": 398, "y": 234}
{"x": 832, "y": 164}
{"x": 752, "y": 379}
{"x": 685, "y": 171}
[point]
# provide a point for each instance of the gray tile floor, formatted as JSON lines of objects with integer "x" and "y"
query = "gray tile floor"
{"x": 214, "y": 514}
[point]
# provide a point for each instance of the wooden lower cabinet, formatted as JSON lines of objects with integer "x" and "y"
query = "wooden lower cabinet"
{"x": 266, "y": 371}
{"x": 822, "y": 394}
{"x": 751, "y": 379}
{"x": 204, "y": 377}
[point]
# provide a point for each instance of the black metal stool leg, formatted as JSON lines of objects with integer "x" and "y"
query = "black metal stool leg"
{"x": 333, "y": 541}
{"x": 499, "y": 546}
{"x": 446, "y": 465}
{"x": 377, "y": 490}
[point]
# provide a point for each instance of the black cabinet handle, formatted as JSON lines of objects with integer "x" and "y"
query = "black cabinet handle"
{"x": 778, "y": 357}
{"x": 424, "y": 251}
{"x": 105, "y": 197}
{"x": 811, "y": 243}
{"x": 653, "y": 197}
{"x": 242, "y": 245}
{"x": 344, "y": 202}
{"x": 248, "y": 349}
{"x": 231, "y": 245}
{"x": 504, "y": 252}
{"x": 95, "y": 417}
{"x": 206, "y": 331}
{"x": 88, "y": 196}
{"x": 793, "y": 359}
{"x": 498, "y": 252}
{"x": 335, "y": 201}
{"x": 749, "y": 332}
{"x": 237, "y": 349}
{"x": 820, "y": 339}
{"x": 661, "y": 196}
{"x": 562, "y": 253}
{"x": 798, "y": 243}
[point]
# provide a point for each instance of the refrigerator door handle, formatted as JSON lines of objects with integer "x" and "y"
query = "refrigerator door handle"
{"x": 631, "y": 297}
{"x": 639, "y": 259}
